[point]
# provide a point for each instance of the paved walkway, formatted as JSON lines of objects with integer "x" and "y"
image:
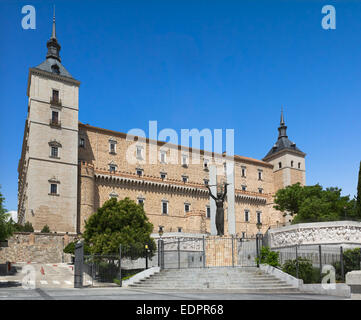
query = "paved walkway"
{"x": 18, "y": 293}
{"x": 57, "y": 275}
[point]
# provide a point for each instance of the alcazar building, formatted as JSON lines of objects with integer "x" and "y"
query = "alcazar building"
{"x": 69, "y": 169}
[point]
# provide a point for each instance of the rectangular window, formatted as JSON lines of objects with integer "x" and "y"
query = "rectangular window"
{"x": 55, "y": 117}
{"x": 179, "y": 229}
{"x": 139, "y": 153}
{"x": 186, "y": 207}
{"x": 244, "y": 188}
{"x": 54, "y": 152}
{"x": 112, "y": 168}
{"x": 259, "y": 220}
{"x": 55, "y": 97}
{"x": 205, "y": 164}
{"x": 141, "y": 201}
{"x": 208, "y": 210}
{"x": 53, "y": 188}
{"x": 112, "y": 148}
{"x": 184, "y": 160}
{"x": 259, "y": 174}
{"x": 163, "y": 156}
{"x": 246, "y": 215}
{"x": 164, "y": 207}
{"x": 243, "y": 172}
{"x": 82, "y": 142}
{"x": 260, "y": 190}
{"x": 185, "y": 179}
{"x": 140, "y": 172}
{"x": 206, "y": 181}
{"x": 163, "y": 175}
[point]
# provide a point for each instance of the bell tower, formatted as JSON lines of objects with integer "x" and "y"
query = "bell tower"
{"x": 287, "y": 159}
{"x": 48, "y": 168}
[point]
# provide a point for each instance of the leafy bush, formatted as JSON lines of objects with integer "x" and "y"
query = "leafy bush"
{"x": 45, "y": 229}
{"x": 351, "y": 260}
{"x": 306, "y": 271}
{"x": 70, "y": 248}
{"x": 27, "y": 227}
{"x": 268, "y": 257}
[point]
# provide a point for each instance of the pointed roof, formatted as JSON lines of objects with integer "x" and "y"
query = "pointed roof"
{"x": 282, "y": 143}
{"x": 52, "y": 63}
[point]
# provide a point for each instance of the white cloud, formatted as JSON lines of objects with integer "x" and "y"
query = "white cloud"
{"x": 13, "y": 215}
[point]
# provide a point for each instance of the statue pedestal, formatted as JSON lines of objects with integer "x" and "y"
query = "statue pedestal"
{"x": 221, "y": 251}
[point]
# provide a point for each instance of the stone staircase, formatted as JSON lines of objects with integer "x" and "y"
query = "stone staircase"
{"x": 248, "y": 280}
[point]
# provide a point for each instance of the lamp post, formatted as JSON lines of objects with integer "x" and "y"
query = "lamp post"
{"x": 160, "y": 247}
{"x": 146, "y": 256}
{"x": 259, "y": 226}
{"x": 258, "y": 242}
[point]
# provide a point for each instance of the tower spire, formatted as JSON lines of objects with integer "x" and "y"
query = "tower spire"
{"x": 52, "y": 44}
{"x": 282, "y": 130}
{"x": 53, "y": 35}
{"x": 282, "y": 122}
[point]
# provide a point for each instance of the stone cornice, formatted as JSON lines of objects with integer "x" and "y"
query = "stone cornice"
{"x": 172, "y": 185}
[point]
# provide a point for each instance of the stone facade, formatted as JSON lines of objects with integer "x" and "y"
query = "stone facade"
{"x": 98, "y": 183}
{"x": 36, "y": 247}
{"x": 38, "y": 167}
{"x": 68, "y": 169}
{"x": 220, "y": 252}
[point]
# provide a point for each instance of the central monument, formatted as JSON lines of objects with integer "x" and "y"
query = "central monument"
{"x": 220, "y": 210}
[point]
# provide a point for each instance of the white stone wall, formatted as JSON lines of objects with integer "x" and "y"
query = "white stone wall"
{"x": 335, "y": 232}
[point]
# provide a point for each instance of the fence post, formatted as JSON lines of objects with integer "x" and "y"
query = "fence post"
{"x": 120, "y": 265}
{"x": 204, "y": 252}
{"x": 342, "y": 266}
{"x": 297, "y": 266}
{"x": 257, "y": 250}
{"x": 320, "y": 256}
{"x": 78, "y": 265}
{"x": 232, "y": 252}
{"x": 161, "y": 254}
{"x": 178, "y": 248}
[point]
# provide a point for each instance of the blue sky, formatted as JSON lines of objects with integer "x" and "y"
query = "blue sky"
{"x": 198, "y": 64}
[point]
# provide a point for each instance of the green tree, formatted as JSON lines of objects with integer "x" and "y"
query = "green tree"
{"x": 313, "y": 203}
{"x": 45, "y": 229}
{"x": 27, "y": 227}
{"x": 6, "y": 225}
{"x": 358, "y": 198}
{"x": 119, "y": 222}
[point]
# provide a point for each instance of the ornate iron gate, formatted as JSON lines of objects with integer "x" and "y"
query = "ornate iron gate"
{"x": 208, "y": 252}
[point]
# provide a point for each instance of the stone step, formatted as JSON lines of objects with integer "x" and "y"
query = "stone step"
{"x": 186, "y": 282}
{"x": 245, "y": 289}
{"x": 249, "y": 281}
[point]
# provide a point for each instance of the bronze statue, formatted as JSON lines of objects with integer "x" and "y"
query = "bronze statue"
{"x": 220, "y": 211}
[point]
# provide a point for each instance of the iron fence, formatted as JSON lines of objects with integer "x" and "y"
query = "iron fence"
{"x": 321, "y": 258}
{"x": 101, "y": 270}
{"x": 208, "y": 252}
